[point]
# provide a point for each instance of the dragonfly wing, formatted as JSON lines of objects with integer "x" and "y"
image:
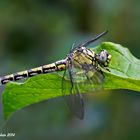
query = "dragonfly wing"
{"x": 83, "y": 77}
{"x": 74, "y": 99}
{"x": 93, "y": 79}
{"x": 87, "y": 75}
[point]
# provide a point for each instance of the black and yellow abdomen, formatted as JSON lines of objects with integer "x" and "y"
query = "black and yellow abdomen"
{"x": 57, "y": 66}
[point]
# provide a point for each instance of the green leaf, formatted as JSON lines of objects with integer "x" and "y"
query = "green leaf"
{"x": 124, "y": 67}
{"x": 35, "y": 89}
{"x": 124, "y": 74}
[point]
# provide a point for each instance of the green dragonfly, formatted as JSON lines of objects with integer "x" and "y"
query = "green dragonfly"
{"x": 82, "y": 67}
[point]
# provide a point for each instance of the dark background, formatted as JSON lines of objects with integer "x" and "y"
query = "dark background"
{"x": 34, "y": 33}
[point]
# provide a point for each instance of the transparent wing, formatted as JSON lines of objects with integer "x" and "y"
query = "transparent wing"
{"x": 86, "y": 75}
{"x": 85, "y": 78}
{"x": 74, "y": 99}
{"x": 92, "y": 78}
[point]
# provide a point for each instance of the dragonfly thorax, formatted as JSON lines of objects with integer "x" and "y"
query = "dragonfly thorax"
{"x": 82, "y": 55}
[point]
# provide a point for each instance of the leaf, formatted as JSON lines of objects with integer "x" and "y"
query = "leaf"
{"x": 124, "y": 67}
{"x": 125, "y": 74}
{"x": 35, "y": 89}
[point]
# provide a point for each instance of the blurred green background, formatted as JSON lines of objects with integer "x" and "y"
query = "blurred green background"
{"x": 34, "y": 33}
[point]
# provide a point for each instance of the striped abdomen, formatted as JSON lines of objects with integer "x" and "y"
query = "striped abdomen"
{"x": 57, "y": 66}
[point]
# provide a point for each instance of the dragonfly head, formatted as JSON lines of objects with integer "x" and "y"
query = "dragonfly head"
{"x": 103, "y": 57}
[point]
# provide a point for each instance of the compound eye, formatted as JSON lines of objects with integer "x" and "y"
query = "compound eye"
{"x": 103, "y": 58}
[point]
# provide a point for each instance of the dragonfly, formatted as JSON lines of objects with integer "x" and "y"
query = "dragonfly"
{"x": 82, "y": 68}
